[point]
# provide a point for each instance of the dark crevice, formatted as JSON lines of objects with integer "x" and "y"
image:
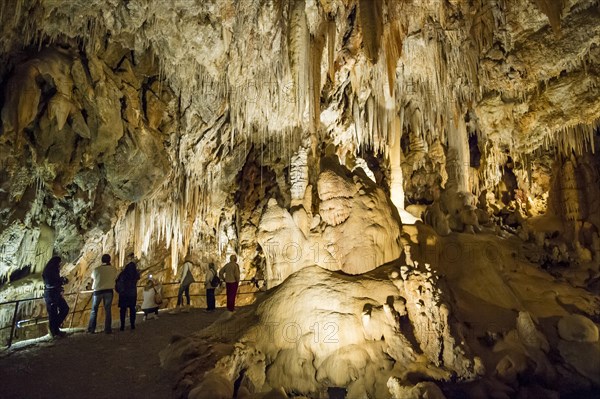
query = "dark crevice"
{"x": 474, "y": 152}
{"x": 351, "y": 21}
{"x": 238, "y": 383}
{"x": 20, "y": 273}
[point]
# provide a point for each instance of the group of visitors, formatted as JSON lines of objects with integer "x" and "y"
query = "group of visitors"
{"x": 106, "y": 279}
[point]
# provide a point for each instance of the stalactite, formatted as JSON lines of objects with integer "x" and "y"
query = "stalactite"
{"x": 299, "y": 53}
{"x": 492, "y": 158}
{"x": 432, "y": 76}
{"x": 316, "y": 54}
{"x": 576, "y": 139}
{"x": 483, "y": 24}
{"x": 370, "y": 18}
{"x": 331, "y": 30}
{"x": 358, "y": 129}
{"x": 553, "y": 10}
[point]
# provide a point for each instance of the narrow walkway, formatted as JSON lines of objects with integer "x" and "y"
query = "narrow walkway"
{"x": 124, "y": 364}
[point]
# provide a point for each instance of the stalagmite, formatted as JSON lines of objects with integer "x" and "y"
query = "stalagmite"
{"x": 299, "y": 174}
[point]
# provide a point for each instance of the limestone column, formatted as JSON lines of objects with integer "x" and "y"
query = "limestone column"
{"x": 397, "y": 188}
{"x": 459, "y": 164}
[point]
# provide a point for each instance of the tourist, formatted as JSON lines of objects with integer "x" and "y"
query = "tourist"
{"x": 126, "y": 286}
{"x": 212, "y": 282}
{"x": 186, "y": 279}
{"x": 53, "y": 295}
{"x": 103, "y": 277}
{"x": 151, "y": 294}
{"x": 231, "y": 274}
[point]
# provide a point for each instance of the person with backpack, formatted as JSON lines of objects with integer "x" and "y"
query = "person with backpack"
{"x": 126, "y": 286}
{"x": 231, "y": 274}
{"x": 53, "y": 295}
{"x": 103, "y": 277}
{"x": 212, "y": 282}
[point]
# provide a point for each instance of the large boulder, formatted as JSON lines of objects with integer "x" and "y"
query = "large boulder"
{"x": 577, "y": 328}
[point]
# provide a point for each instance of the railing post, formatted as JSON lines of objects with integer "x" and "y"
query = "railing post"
{"x": 14, "y": 323}
{"x": 74, "y": 309}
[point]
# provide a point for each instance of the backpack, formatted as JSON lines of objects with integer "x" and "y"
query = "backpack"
{"x": 215, "y": 281}
{"x": 157, "y": 297}
{"x": 120, "y": 285}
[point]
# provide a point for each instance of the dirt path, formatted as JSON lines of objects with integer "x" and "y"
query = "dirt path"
{"x": 124, "y": 364}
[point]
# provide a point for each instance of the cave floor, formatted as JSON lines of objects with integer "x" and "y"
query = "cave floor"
{"x": 124, "y": 364}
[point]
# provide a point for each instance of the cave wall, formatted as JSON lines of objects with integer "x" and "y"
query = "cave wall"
{"x": 82, "y": 137}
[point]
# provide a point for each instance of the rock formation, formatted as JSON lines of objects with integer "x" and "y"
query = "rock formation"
{"x": 439, "y": 153}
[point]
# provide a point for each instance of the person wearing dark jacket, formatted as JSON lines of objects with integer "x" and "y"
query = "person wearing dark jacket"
{"x": 126, "y": 285}
{"x": 53, "y": 295}
{"x": 210, "y": 289}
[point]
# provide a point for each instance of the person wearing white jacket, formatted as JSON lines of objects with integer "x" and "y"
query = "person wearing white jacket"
{"x": 186, "y": 279}
{"x": 149, "y": 305}
{"x": 231, "y": 274}
{"x": 103, "y": 277}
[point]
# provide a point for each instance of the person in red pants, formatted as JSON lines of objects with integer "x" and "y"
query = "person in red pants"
{"x": 231, "y": 274}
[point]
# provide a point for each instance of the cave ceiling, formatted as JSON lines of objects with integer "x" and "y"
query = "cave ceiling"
{"x": 111, "y": 103}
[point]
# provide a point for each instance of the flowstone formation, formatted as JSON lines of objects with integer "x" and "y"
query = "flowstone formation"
{"x": 321, "y": 329}
{"x": 355, "y": 229}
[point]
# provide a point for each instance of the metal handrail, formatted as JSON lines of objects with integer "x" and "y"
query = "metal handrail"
{"x": 84, "y": 291}
{"x": 16, "y": 302}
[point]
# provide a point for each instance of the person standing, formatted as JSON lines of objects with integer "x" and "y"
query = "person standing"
{"x": 126, "y": 286}
{"x": 211, "y": 273}
{"x": 53, "y": 295}
{"x": 231, "y": 274}
{"x": 103, "y": 277}
{"x": 186, "y": 279}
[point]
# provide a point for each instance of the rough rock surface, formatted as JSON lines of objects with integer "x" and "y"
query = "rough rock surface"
{"x": 322, "y": 328}
{"x": 577, "y": 328}
{"x": 164, "y": 128}
{"x": 357, "y": 229}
